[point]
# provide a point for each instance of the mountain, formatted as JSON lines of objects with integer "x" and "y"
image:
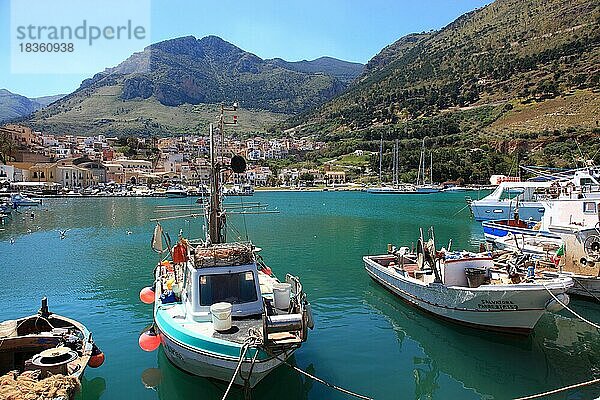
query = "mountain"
{"x": 47, "y": 100}
{"x": 510, "y": 49}
{"x": 512, "y": 80}
{"x": 176, "y": 86}
{"x": 345, "y": 71}
{"x": 16, "y": 106}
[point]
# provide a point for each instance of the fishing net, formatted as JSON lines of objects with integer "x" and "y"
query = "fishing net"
{"x": 26, "y": 386}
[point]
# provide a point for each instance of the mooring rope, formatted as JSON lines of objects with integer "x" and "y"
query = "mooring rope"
{"x": 248, "y": 343}
{"x": 563, "y": 389}
{"x": 243, "y": 351}
{"x": 331, "y": 385}
{"x": 569, "y": 309}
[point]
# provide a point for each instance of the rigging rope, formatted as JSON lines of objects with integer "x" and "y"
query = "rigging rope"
{"x": 578, "y": 385}
{"x": 567, "y": 308}
{"x": 331, "y": 385}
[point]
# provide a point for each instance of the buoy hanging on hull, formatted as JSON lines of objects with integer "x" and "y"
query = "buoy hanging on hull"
{"x": 147, "y": 295}
{"x": 149, "y": 340}
{"x": 97, "y": 358}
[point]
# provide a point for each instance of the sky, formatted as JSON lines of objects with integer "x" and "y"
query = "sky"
{"x": 350, "y": 30}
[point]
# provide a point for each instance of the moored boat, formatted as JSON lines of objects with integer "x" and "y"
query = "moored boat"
{"x": 176, "y": 192}
{"x": 48, "y": 343}
{"x": 466, "y": 288}
{"x": 20, "y": 200}
{"x": 219, "y": 311}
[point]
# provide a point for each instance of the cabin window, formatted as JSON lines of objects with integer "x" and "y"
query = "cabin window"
{"x": 234, "y": 288}
{"x": 509, "y": 194}
{"x": 589, "y": 207}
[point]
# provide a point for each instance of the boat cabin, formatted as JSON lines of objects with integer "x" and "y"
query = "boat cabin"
{"x": 222, "y": 273}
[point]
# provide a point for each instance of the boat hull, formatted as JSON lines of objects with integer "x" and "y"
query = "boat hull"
{"x": 493, "y": 210}
{"x": 515, "y": 311}
{"x": 494, "y": 229}
{"x": 221, "y": 367}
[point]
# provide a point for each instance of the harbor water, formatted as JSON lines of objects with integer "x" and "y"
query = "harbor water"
{"x": 365, "y": 339}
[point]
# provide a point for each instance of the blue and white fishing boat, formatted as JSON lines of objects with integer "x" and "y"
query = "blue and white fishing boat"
{"x": 495, "y": 229}
{"x": 528, "y": 196}
{"x": 219, "y": 311}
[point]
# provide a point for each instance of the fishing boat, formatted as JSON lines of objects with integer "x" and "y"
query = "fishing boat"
{"x": 48, "y": 343}
{"x": 577, "y": 223}
{"x": 467, "y": 288}
{"x": 496, "y": 229}
{"x": 219, "y": 311}
{"x": 528, "y": 196}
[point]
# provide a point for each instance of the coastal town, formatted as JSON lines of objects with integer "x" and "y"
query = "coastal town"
{"x": 67, "y": 162}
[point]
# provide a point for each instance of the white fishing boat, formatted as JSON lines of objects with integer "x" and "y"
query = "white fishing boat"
{"x": 529, "y": 196}
{"x": 219, "y": 311}
{"x": 467, "y": 288}
{"x": 577, "y": 223}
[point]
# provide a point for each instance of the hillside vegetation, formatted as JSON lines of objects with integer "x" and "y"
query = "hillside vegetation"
{"x": 513, "y": 75}
{"x": 156, "y": 91}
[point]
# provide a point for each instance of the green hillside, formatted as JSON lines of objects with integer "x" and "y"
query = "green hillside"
{"x": 168, "y": 87}
{"x": 507, "y": 73}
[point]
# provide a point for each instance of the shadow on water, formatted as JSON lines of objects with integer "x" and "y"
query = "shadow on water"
{"x": 561, "y": 351}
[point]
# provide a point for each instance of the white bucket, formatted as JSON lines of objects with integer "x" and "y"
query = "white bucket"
{"x": 8, "y": 329}
{"x": 221, "y": 316}
{"x": 281, "y": 295}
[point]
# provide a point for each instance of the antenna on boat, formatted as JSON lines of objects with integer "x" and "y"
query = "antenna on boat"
{"x": 216, "y": 214}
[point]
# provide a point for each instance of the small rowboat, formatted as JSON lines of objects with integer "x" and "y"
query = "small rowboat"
{"x": 48, "y": 343}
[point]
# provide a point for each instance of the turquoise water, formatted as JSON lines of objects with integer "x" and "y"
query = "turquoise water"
{"x": 365, "y": 339}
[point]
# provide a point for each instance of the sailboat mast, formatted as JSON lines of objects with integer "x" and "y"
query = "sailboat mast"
{"x": 380, "y": 156}
{"x": 431, "y": 167}
{"x": 419, "y": 170}
{"x": 396, "y": 162}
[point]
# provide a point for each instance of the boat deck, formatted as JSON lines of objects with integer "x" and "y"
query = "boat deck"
{"x": 237, "y": 334}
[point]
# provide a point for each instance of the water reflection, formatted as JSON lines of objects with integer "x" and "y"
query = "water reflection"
{"x": 171, "y": 382}
{"x": 562, "y": 351}
{"x": 91, "y": 389}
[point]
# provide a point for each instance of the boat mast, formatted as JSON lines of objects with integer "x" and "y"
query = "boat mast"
{"x": 380, "y": 156}
{"x": 396, "y": 162}
{"x": 431, "y": 167}
{"x": 215, "y": 215}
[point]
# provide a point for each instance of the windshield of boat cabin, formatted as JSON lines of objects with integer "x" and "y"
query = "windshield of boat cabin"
{"x": 233, "y": 288}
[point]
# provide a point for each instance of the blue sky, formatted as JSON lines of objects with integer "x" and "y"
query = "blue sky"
{"x": 352, "y": 30}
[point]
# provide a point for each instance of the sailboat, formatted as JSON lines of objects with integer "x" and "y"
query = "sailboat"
{"x": 396, "y": 187}
{"x": 422, "y": 187}
{"x": 219, "y": 311}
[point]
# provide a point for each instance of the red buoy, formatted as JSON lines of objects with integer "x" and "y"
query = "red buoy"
{"x": 149, "y": 340}
{"x": 97, "y": 358}
{"x": 147, "y": 295}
